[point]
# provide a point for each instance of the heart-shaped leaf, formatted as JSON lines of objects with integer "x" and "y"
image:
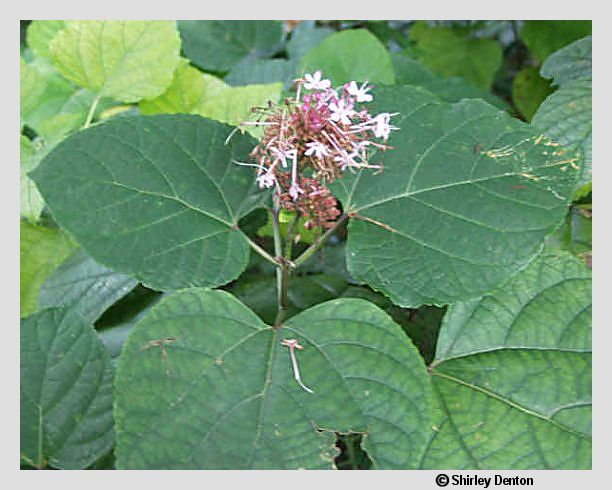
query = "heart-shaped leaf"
{"x": 513, "y": 374}
{"x": 566, "y": 115}
{"x": 350, "y": 55}
{"x": 126, "y": 60}
{"x": 544, "y": 37}
{"x": 84, "y": 286}
{"x": 204, "y": 383}
{"x": 218, "y": 45}
{"x": 574, "y": 62}
{"x": 66, "y": 391}
{"x": 465, "y": 199}
{"x": 450, "y": 53}
{"x": 158, "y": 197}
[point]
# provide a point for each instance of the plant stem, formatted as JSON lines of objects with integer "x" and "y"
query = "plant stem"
{"x": 261, "y": 251}
{"x": 91, "y": 112}
{"x": 319, "y": 243}
{"x": 282, "y": 267}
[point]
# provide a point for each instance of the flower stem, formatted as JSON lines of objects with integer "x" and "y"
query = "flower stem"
{"x": 91, "y": 112}
{"x": 318, "y": 243}
{"x": 261, "y": 251}
{"x": 282, "y": 268}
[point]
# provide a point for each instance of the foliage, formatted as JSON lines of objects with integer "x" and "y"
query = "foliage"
{"x": 425, "y": 303}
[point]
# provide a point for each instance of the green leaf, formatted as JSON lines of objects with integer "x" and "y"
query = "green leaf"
{"x": 305, "y": 37}
{"x": 449, "y": 53}
{"x": 574, "y": 62}
{"x": 566, "y": 117}
{"x": 31, "y": 202}
{"x": 32, "y": 87}
{"x": 464, "y": 201}
{"x": 259, "y": 293}
{"x": 193, "y": 92}
{"x": 253, "y": 70}
{"x": 529, "y": 89}
{"x": 412, "y": 72}
{"x": 41, "y": 250}
{"x": 84, "y": 286}
{"x": 66, "y": 391}
{"x": 189, "y": 88}
{"x": 155, "y": 196}
{"x": 218, "y": 45}
{"x": 520, "y": 360}
{"x": 223, "y": 396}
{"x": 350, "y": 55}
{"x": 233, "y": 105}
{"x": 40, "y": 34}
{"x": 544, "y": 37}
{"x": 284, "y": 220}
{"x": 126, "y": 60}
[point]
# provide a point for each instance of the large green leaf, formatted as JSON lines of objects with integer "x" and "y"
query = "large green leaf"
{"x": 84, "y": 286}
{"x": 574, "y": 62}
{"x": 41, "y": 250}
{"x": 350, "y": 55}
{"x": 544, "y": 37}
{"x": 126, "y": 60}
{"x": 217, "y": 45}
{"x": 158, "y": 197}
{"x": 203, "y": 383}
{"x": 465, "y": 199}
{"x": 513, "y": 374}
{"x": 450, "y": 53}
{"x": 566, "y": 117}
{"x": 66, "y": 391}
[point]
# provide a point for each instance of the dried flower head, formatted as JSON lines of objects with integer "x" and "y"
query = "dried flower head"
{"x": 312, "y": 139}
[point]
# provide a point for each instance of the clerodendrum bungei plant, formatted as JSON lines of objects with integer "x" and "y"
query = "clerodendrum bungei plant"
{"x": 444, "y": 204}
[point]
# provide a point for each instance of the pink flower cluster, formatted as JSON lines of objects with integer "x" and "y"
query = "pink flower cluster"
{"x": 319, "y": 134}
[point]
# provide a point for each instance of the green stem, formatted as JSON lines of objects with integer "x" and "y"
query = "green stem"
{"x": 282, "y": 268}
{"x": 291, "y": 237}
{"x": 261, "y": 251}
{"x": 318, "y": 243}
{"x": 91, "y": 112}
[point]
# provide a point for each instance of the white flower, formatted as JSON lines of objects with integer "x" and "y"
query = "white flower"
{"x": 382, "y": 128}
{"x": 266, "y": 180}
{"x": 318, "y": 148}
{"x": 341, "y": 111}
{"x": 294, "y": 191}
{"x": 314, "y": 81}
{"x": 283, "y": 155}
{"x": 360, "y": 93}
